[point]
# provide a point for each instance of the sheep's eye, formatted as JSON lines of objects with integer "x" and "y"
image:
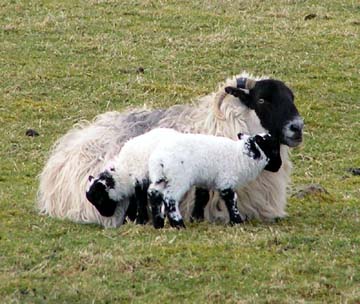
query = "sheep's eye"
{"x": 261, "y": 101}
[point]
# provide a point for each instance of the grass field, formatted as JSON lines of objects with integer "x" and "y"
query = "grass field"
{"x": 64, "y": 61}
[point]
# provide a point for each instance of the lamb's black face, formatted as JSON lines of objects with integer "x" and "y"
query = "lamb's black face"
{"x": 271, "y": 147}
{"x": 98, "y": 194}
{"x": 273, "y": 103}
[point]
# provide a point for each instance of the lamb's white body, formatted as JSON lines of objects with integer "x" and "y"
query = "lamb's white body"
{"x": 203, "y": 160}
{"x": 130, "y": 166}
{"x": 125, "y": 177}
{"x": 206, "y": 161}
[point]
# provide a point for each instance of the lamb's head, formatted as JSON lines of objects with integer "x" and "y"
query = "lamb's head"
{"x": 270, "y": 147}
{"x": 273, "y": 103}
{"x": 104, "y": 193}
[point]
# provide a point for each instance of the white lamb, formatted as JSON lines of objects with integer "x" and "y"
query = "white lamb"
{"x": 126, "y": 178}
{"x": 210, "y": 162}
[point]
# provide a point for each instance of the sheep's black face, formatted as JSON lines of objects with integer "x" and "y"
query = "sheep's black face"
{"x": 98, "y": 194}
{"x": 273, "y": 103}
{"x": 270, "y": 145}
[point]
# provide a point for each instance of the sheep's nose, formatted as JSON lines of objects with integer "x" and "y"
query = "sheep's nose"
{"x": 297, "y": 127}
{"x": 90, "y": 178}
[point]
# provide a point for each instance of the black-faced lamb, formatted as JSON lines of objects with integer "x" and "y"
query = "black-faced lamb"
{"x": 210, "y": 162}
{"x": 125, "y": 179}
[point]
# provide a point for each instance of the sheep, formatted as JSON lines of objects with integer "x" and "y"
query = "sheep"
{"x": 125, "y": 179}
{"x": 88, "y": 146}
{"x": 211, "y": 162}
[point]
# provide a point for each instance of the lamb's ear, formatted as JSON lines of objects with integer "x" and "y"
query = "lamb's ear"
{"x": 274, "y": 164}
{"x": 258, "y": 139}
{"x": 269, "y": 137}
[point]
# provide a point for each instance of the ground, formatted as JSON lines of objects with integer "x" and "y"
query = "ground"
{"x": 65, "y": 61}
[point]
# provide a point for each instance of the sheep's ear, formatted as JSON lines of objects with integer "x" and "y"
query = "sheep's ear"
{"x": 242, "y": 94}
{"x": 240, "y": 135}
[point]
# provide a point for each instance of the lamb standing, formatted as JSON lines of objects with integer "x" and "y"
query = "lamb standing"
{"x": 210, "y": 162}
{"x": 126, "y": 178}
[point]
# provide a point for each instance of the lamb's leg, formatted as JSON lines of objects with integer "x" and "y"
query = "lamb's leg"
{"x": 173, "y": 213}
{"x": 201, "y": 199}
{"x": 132, "y": 209}
{"x": 156, "y": 200}
{"x": 141, "y": 202}
{"x": 230, "y": 199}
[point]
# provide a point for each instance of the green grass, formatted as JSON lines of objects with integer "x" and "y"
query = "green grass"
{"x": 64, "y": 61}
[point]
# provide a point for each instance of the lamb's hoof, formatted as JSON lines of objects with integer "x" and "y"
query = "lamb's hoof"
{"x": 140, "y": 221}
{"x": 237, "y": 220}
{"x": 158, "y": 222}
{"x": 196, "y": 218}
{"x": 177, "y": 224}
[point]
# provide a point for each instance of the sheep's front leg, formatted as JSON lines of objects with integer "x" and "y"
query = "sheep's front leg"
{"x": 173, "y": 213}
{"x": 132, "y": 209}
{"x": 230, "y": 199}
{"x": 201, "y": 199}
{"x": 156, "y": 200}
{"x": 141, "y": 202}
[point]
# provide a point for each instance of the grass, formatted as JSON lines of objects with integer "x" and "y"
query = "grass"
{"x": 64, "y": 61}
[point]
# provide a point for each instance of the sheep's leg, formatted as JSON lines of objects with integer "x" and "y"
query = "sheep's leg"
{"x": 173, "y": 213}
{"x": 230, "y": 199}
{"x": 132, "y": 209}
{"x": 201, "y": 199}
{"x": 156, "y": 200}
{"x": 141, "y": 203}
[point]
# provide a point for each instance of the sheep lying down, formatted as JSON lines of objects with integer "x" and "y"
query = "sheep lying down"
{"x": 167, "y": 164}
